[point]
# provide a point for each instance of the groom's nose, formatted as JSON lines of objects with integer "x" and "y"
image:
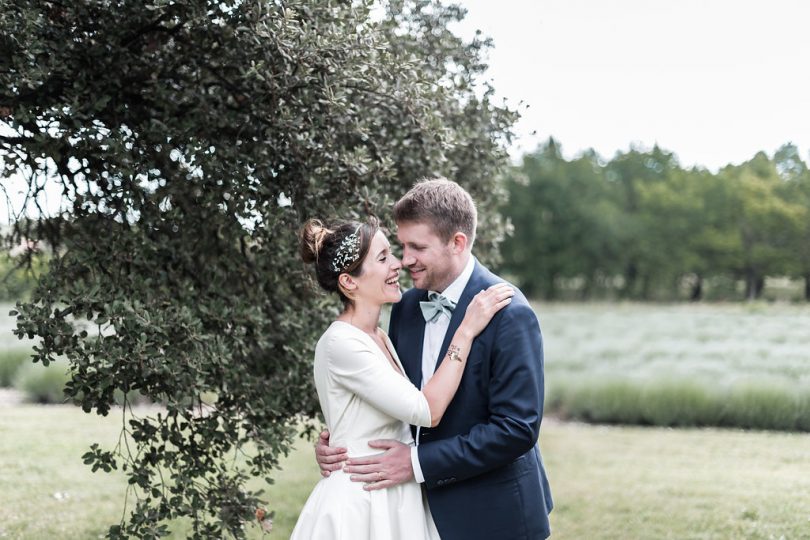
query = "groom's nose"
{"x": 407, "y": 258}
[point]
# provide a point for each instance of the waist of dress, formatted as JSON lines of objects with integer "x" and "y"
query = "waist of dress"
{"x": 360, "y": 447}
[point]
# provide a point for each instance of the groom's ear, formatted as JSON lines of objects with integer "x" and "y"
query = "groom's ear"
{"x": 459, "y": 242}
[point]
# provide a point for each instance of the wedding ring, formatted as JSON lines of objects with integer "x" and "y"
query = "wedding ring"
{"x": 379, "y": 476}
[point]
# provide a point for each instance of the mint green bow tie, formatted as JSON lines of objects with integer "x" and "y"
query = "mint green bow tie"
{"x": 436, "y": 305}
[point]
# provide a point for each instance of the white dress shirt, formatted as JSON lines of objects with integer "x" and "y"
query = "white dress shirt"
{"x": 432, "y": 344}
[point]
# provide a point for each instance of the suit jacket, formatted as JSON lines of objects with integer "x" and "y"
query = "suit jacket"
{"x": 483, "y": 470}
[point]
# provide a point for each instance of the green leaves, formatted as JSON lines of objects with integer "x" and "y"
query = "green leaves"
{"x": 643, "y": 227}
{"x": 176, "y": 131}
{"x": 100, "y": 459}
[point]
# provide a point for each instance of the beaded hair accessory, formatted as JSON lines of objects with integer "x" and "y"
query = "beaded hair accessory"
{"x": 347, "y": 252}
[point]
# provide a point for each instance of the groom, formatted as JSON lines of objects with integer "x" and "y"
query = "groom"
{"x": 481, "y": 465}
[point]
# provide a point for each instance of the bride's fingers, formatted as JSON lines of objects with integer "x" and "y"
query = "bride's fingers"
{"x": 497, "y": 290}
{"x": 499, "y": 286}
{"x": 503, "y": 303}
{"x": 502, "y": 293}
{"x": 494, "y": 295}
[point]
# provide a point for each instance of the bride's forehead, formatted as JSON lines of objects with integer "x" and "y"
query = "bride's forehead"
{"x": 380, "y": 240}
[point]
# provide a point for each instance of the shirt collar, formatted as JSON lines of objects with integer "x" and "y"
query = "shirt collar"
{"x": 454, "y": 290}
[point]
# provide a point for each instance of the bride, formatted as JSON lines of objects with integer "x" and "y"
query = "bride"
{"x": 363, "y": 392}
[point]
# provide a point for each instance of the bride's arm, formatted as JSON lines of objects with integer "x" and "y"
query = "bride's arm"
{"x": 356, "y": 366}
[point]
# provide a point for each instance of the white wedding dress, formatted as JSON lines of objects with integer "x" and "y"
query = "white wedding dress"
{"x": 363, "y": 398}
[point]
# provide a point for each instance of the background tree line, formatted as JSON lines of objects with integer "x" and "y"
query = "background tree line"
{"x": 640, "y": 226}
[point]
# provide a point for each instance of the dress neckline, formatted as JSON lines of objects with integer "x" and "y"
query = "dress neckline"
{"x": 386, "y": 341}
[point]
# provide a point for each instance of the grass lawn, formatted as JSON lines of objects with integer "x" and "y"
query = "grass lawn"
{"x": 608, "y": 482}
{"x": 650, "y": 483}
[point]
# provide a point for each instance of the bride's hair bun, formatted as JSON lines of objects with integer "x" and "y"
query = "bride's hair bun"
{"x": 313, "y": 236}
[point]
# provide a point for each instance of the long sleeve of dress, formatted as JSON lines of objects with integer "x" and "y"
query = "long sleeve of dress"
{"x": 365, "y": 372}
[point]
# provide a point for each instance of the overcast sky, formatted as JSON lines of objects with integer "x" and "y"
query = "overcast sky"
{"x": 715, "y": 81}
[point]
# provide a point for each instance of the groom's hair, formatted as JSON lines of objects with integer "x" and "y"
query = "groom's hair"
{"x": 440, "y": 203}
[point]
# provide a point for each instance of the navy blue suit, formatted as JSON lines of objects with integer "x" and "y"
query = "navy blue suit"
{"x": 482, "y": 466}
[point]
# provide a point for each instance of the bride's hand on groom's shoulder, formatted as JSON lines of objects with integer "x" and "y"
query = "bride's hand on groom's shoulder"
{"x": 329, "y": 458}
{"x": 485, "y": 305}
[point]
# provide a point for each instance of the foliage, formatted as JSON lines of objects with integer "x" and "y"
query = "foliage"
{"x": 18, "y": 276}
{"x": 774, "y": 405}
{"x": 641, "y": 226}
{"x": 42, "y": 384}
{"x": 764, "y": 220}
{"x": 680, "y": 401}
{"x": 565, "y": 225}
{"x": 189, "y": 141}
{"x": 10, "y": 362}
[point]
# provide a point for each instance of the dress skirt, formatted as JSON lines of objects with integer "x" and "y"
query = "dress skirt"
{"x": 339, "y": 509}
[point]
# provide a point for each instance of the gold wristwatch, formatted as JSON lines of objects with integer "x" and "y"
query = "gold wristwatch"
{"x": 454, "y": 353}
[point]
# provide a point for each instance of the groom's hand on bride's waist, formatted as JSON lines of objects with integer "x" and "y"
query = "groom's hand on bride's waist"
{"x": 385, "y": 470}
{"x": 329, "y": 459}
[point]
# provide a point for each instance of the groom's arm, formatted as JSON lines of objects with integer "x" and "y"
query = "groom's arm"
{"x": 516, "y": 393}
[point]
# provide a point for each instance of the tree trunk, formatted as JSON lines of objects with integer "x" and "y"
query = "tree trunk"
{"x": 630, "y": 277}
{"x": 697, "y": 289}
{"x": 646, "y": 287}
{"x": 587, "y": 287}
{"x": 750, "y": 284}
{"x": 759, "y": 286}
{"x": 551, "y": 286}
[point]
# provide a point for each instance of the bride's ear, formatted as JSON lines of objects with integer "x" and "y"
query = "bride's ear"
{"x": 347, "y": 284}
